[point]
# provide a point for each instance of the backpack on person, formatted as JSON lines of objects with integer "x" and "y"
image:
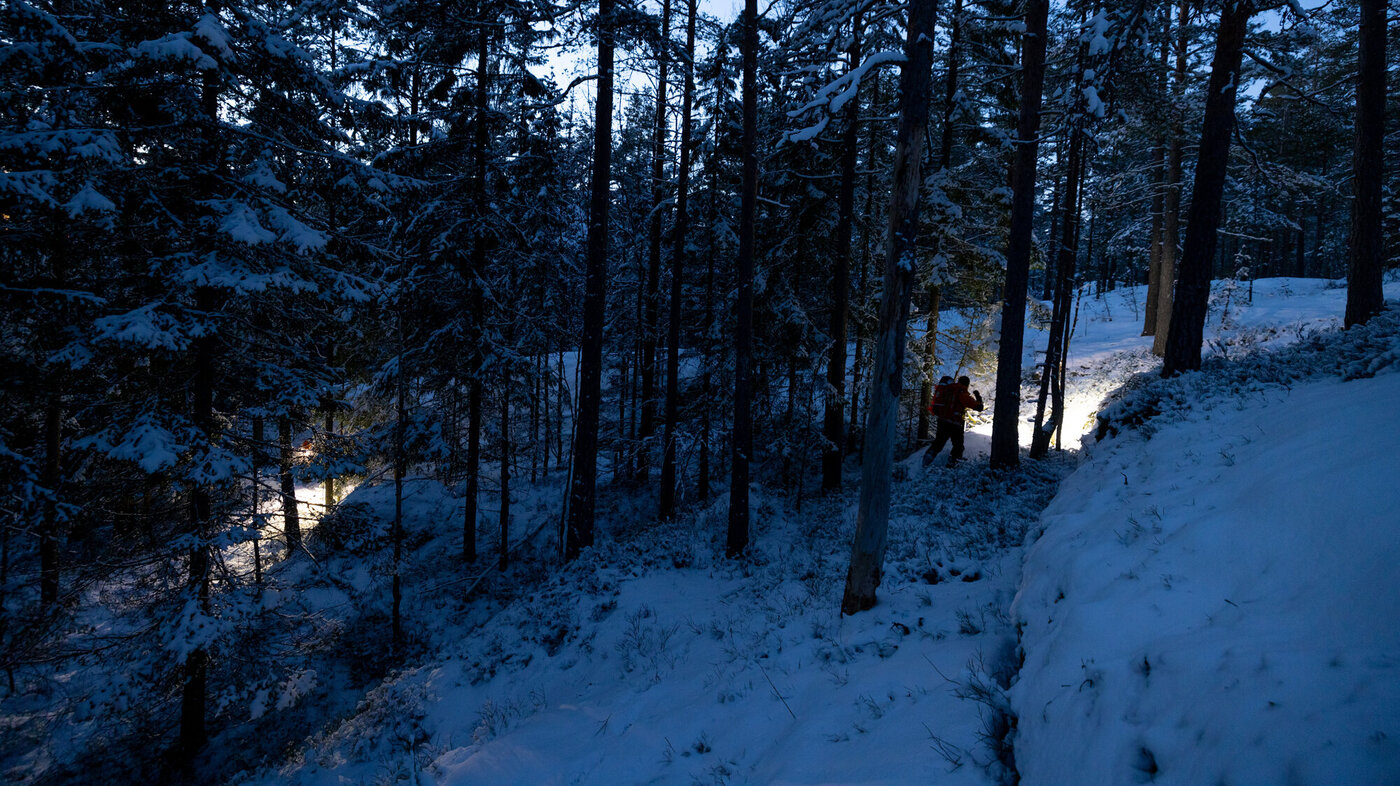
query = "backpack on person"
{"x": 945, "y": 401}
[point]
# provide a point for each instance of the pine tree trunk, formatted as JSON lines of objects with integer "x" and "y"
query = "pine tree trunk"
{"x": 291, "y": 527}
{"x": 1006, "y": 420}
{"x": 922, "y": 432}
{"x": 707, "y": 377}
{"x": 834, "y": 416}
{"x": 1186, "y": 335}
{"x": 400, "y": 469}
{"x": 583, "y": 491}
{"x": 945, "y": 163}
{"x": 194, "y": 690}
{"x": 1053, "y": 370}
{"x": 193, "y": 696}
{"x": 1366, "y": 247}
{"x": 853, "y": 433}
{"x": 476, "y": 299}
{"x": 1047, "y": 291}
{"x": 504, "y": 551}
{"x": 680, "y": 234}
{"x": 48, "y": 532}
{"x": 650, "y": 329}
{"x": 1154, "y": 254}
{"x": 742, "y": 447}
{"x": 1171, "y": 195}
{"x": 887, "y": 382}
{"x": 329, "y": 487}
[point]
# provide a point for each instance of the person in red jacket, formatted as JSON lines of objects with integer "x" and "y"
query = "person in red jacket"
{"x": 951, "y": 401}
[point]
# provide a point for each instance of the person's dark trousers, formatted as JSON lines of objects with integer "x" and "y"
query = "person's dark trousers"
{"x": 956, "y": 433}
{"x": 945, "y": 430}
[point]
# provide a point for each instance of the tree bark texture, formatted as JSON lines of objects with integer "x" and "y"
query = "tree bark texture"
{"x": 742, "y": 448}
{"x": 652, "y": 308}
{"x": 1366, "y": 249}
{"x": 583, "y": 491}
{"x": 1187, "y": 329}
{"x": 887, "y": 380}
{"x": 1052, "y": 374}
{"x": 1171, "y": 189}
{"x": 680, "y": 234}
{"x": 193, "y": 696}
{"x": 834, "y": 413}
{"x": 1006, "y": 445}
{"x": 503, "y": 551}
{"x": 291, "y": 527}
{"x": 475, "y": 298}
{"x": 944, "y": 164}
{"x": 48, "y": 532}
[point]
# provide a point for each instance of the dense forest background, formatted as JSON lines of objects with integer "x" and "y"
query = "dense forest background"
{"x": 252, "y": 246}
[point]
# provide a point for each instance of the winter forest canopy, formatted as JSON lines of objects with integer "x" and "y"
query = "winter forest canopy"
{"x": 345, "y": 340}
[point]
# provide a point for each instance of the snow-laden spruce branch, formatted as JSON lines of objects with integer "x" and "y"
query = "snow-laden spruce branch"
{"x": 833, "y": 97}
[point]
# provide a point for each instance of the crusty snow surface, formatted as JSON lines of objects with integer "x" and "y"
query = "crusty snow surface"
{"x": 1209, "y": 598}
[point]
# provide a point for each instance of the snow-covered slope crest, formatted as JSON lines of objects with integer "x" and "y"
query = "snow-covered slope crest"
{"x": 1214, "y": 598}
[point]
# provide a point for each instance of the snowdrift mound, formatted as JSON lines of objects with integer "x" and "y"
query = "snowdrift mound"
{"x": 1214, "y": 598}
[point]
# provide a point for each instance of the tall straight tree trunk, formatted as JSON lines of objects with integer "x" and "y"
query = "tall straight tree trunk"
{"x": 1047, "y": 290}
{"x": 887, "y": 381}
{"x": 400, "y": 470}
{"x": 1006, "y": 420}
{"x": 653, "y": 295}
{"x": 834, "y": 414}
{"x": 194, "y": 692}
{"x": 678, "y": 254}
{"x": 48, "y": 533}
{"x": 1171, "y": 196}
{"x": 329, "y": 486}
{"x": 853, "y": 436}
{"x": 193, "y": 700}
{"x": 503, "y": 553}
{"x": 742, "y": 447}
{"x": 1052, "y": 374}
{"x": 922, "y": 431}
{"x": 193, "y": 696}
{"x": 1300, "y": 266}
{"x": 1103, "y": 272}
{"x": 1193, "y": 280}
{"x": 291, "y": 528}
{"x": 707, "y": 375}
{"x": 583, "y": 489}
{"x": 475, "y": 297}
{"x": 1154, "y": 254}
{"x": 1366, "y": 249}
{"x": 945, "y": 163}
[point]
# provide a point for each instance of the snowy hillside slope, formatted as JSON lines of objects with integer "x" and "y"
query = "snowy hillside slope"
{"x": 1215, "y": 596}
{"x": 653, "y": 659}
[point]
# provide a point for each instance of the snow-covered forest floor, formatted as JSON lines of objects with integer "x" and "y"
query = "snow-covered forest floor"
{"x": 1205, "y": 596}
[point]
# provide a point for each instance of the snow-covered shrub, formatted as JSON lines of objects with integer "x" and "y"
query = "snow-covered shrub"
{"x": 1246, "y": 366}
